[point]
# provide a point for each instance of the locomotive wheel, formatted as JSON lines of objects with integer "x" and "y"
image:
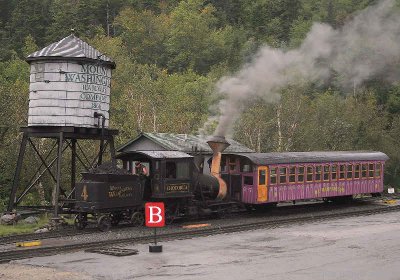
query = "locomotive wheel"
{"x": 224, "y": 213}
{"x": 104, "y": 223}
{"x": 80, "y": 221}
{"x": 169, "y": 218}
{"x": 137, "y": 219}
{"x": 115, "y": 219}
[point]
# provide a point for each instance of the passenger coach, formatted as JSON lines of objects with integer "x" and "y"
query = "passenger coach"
{"x": 258, "y": 178}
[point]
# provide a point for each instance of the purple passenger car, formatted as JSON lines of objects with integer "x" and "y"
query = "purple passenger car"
{"x": 257, "y": 178}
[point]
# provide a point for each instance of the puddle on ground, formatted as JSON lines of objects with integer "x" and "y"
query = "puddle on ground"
{"x": 80, "y": 260}
{"x": 354, "y": 247}
{"x": 181, "y": 265}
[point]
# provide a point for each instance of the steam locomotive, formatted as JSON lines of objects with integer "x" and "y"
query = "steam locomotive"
{"x": 173, "y": 177}
{"x": 236, "y": 180}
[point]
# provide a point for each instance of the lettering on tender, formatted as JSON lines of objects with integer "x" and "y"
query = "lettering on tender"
{"x": 120, "y": 191}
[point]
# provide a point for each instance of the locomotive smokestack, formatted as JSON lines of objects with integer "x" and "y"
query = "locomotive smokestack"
{"x": 218, "y": 144}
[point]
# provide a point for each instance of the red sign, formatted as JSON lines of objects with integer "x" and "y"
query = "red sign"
{"x": 155, "y": 214}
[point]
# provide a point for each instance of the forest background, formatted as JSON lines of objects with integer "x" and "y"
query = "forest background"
{"x": 170, "y": 55}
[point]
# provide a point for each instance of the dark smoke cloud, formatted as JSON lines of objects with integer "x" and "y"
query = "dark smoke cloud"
{"x": 365, "y": 47}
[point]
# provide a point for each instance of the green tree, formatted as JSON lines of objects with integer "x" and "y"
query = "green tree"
{"x": 28, "y": 18}
{"x": 270, "y": 21}
{"x": 14, "y": 78}
{"x": 88, "y": 18}
{"x": 144, "y": 34}
{"x": 193, "y": 41}
{"x": 185, "y": 103}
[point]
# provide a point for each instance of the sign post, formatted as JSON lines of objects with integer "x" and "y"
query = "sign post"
{"x": 155, "y": 217}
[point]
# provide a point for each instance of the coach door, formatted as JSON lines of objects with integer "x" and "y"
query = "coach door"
{"x": 262, "y": 191}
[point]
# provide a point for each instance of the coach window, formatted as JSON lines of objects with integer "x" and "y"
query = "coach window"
{"x": 223, "y": 164}
{"x": 282, "y": 175}
{"x": 357, "y": 171}
{"x": 326, "y": 172}
{"x": 364, "y": 169}
{"x": 248, "y": 180}
{"x": 300, "y": 174}
{"x": 378, "y": 170}
{"x": 318, "y": 172}
{"x": 261, "y": 177}
{"x": 292, "y": 174}
{"x": 371, "y": 170}
{"x": 273, "y": 175}
{"x": 349, "y": 171}
{"x": 342, "y": 172}
{"x": 334, "y": 172}
{"x": 232, "y": 164}
{"x": 245, "y": 165}
{"x": 310, "y": 172}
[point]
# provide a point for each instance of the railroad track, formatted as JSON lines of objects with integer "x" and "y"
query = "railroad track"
{"x": 272, "y": 212}
{"x": 10, "y": 255}
{"x": 68, "y": 231}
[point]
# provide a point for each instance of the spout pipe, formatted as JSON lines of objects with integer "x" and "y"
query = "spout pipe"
{"x": 218, "y": 144}
{"x": 103, "y": 123}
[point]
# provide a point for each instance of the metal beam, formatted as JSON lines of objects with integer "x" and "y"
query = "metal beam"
{"x": 84, "y": 155}
{"x": 41, "y": 158}
{"x": 11, "y": 202}
{"x": 73, "y": 167}
{"x": 112, "y": 151}
{"x": 46, "y": 158}
{"x": 78, "y": 157}
{"x": 59, "y": 160}
{"x": 27, "y": 189}
{"x": 100, "y": 153}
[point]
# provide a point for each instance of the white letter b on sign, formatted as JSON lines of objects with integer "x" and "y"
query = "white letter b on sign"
{"x": 155, "y": 211}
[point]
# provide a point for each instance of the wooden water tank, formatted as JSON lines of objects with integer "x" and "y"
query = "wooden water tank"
{"x": 69, "y": 82}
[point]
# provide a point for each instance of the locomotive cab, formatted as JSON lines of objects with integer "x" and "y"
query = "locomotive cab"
{"x": 168, "y": 173}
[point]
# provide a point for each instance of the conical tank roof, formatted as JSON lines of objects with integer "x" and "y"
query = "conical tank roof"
{"x": 218, "y": 144}
{"x": 72, "y": 48}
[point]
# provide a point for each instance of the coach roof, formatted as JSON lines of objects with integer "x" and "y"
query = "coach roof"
{"x": 186, "y": 143}
{"x": 157, "y": 154}
{"x": 311, "y": 157}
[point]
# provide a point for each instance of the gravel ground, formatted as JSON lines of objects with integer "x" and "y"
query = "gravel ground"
{"x": 271, "y": 215}
{"x": 29, "y": 272}
{"x": 359, "y": 248}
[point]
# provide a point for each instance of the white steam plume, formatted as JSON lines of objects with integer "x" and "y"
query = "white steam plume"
{"x": 365, "y": 47}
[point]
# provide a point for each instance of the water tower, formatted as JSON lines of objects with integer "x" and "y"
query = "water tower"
{"x": 69, "y": 101}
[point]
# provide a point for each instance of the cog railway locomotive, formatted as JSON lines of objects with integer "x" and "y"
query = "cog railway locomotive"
{"x": 236, "y": 180}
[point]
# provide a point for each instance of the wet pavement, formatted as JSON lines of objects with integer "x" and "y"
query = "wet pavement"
{"x": 353, "y": 248}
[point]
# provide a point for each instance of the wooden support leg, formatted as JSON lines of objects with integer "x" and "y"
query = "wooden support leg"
{"x": 59, "y": 159}
{"x": 112, "y": 150}
{"x": 17, "y": 174}
{"x": 73, "y": 167}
